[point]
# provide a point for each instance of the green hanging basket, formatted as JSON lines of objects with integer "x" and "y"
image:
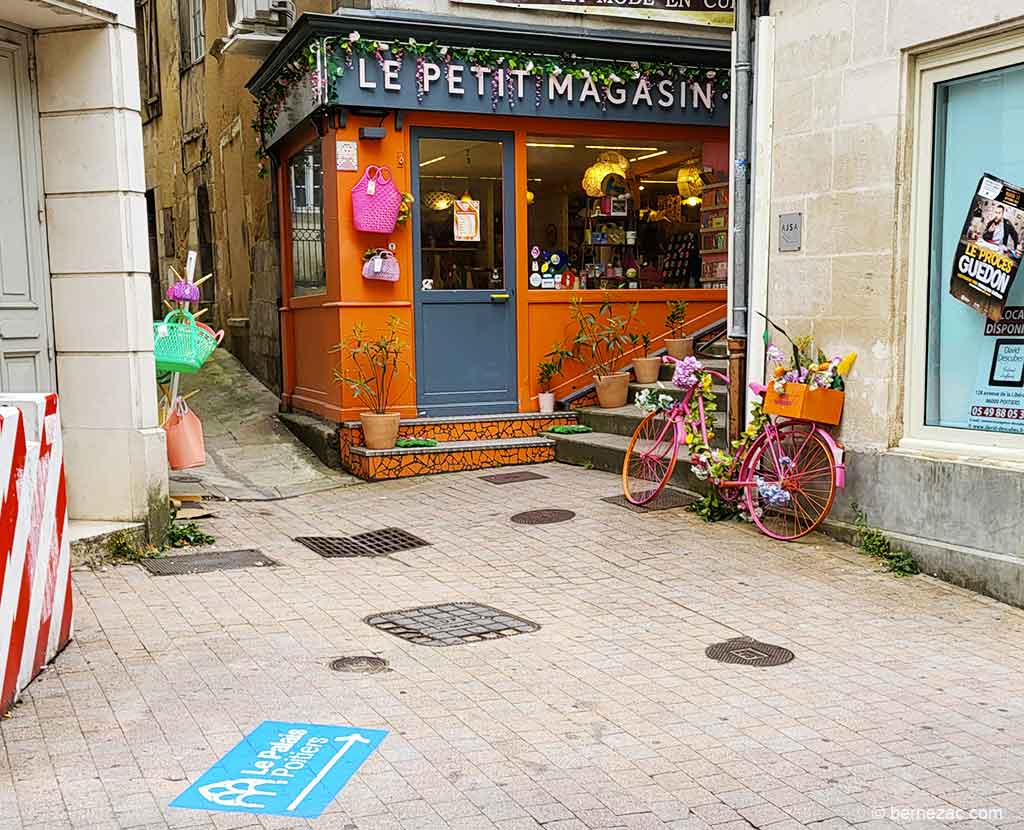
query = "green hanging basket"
{"x": 182, "y": 345}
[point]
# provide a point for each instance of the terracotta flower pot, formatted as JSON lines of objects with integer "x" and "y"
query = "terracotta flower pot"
{"x": 380, "y": 431}
{"x": 646, "y": 369}
{"x": 612, "y": 390}
{"x": 547, "y": 402}
{"x": 680, "y": 348}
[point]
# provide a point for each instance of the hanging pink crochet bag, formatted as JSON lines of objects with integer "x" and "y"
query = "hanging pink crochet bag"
{"x": 382, "y": 266}
{"x": 375, "y": 201}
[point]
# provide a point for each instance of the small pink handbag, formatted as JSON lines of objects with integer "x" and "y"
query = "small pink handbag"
{"x": 382, "y": 266}
{"x": 375, "y": 201}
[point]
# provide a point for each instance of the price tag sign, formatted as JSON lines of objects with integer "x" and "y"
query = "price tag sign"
{"x": 791, "y": 231}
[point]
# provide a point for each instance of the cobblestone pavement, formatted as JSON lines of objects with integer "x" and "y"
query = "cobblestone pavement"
{"x": 903, "y": 705}
{"x": 250, "y": 454}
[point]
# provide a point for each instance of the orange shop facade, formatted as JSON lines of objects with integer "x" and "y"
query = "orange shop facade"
{"x": 580, "y": 169}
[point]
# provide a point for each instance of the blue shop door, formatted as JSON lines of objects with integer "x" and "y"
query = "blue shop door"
{"x": 464, "y": 256}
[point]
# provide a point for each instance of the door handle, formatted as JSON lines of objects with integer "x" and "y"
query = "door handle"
{"x": 499, "y": 298}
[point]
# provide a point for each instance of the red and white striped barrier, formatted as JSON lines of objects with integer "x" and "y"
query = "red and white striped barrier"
{"x": 35, "y": 552}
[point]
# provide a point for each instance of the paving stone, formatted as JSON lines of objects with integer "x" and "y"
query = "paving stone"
{"x": 904, "y": 694}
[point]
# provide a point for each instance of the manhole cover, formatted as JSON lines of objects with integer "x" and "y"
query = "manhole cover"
{"x": 200, "y": 563}
{"x": 360, "y": 664}
{"x": 748, "y": 652}
{"x": 543, "y": 517}
{"x": 665, "y": 500}
{"x": 374, "y": 543}
{"x": 451, "y": 624}
{"x": 512, "y": 478}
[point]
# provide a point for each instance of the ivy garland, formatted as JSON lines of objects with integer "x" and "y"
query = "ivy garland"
{"x": 325, "y": 60}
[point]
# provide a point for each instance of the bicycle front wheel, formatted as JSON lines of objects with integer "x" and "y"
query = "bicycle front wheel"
{"x": 650, "y": 458}
{"x": 794, "y": 475}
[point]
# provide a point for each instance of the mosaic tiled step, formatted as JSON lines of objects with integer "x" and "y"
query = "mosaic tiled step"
{"x": 448, "y": 457}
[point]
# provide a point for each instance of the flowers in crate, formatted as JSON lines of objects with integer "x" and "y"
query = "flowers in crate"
{"x": 650, "y": 400}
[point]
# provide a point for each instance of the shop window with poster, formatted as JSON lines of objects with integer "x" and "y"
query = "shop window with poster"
{"x": 974, "y": 345}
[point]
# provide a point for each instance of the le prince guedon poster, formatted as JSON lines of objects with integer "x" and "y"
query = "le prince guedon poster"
{"x": 990, "y": 247}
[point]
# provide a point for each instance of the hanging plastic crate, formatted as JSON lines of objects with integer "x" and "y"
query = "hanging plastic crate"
{"x": 182, "y": 345}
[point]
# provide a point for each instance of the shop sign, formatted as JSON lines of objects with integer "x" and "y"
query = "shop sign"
{"x": 464, "y": 88}
{"x": 991, "y": 244}
{"x": 692, "y": 12}
{"x": 998, "y": 401}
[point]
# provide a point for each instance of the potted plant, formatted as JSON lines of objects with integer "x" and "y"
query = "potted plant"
{"x": 375, "y": 363}
{"x": 546, "y": 370}
{"x": 600, "y": 341}
{"x": 646, "y": 368}
{"x": 678, "y": 345}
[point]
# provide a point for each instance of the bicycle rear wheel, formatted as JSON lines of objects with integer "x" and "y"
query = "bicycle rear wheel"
{"x": 650, "y": 458}
{"x": 795, "y": 473}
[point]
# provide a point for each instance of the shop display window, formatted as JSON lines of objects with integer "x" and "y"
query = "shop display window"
{"x": 975, "y": 361}
{"x": 606, "y": 214}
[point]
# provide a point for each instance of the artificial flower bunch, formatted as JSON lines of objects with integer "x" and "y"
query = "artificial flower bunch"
{"x": 651, "y": 400}
{"x": 808, "y": 366}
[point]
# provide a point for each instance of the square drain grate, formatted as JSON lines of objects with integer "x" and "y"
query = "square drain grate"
{"x": 451, "y": 624}
{"x": 512, "y": 478}
{"x": 201, "y": 563}
{"x": 374, "y": 543}
{"x": 665, "y": 500}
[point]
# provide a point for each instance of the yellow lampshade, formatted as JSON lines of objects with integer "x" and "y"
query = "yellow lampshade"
{"x": 607, "y": 164}
{"x": 689, "y": 184}
{"x": 439, "y": 199}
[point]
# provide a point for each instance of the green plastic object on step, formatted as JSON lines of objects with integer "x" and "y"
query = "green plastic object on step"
{"x": 570, "y": 429}
{"x": 180, "y": 344}
{"x": 410, "y": 443}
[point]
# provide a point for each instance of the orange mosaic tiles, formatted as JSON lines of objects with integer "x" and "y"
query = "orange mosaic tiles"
{"x": 382, "y": 467}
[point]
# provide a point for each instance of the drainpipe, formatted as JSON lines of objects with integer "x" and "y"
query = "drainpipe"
{"x": 740, "y": 213}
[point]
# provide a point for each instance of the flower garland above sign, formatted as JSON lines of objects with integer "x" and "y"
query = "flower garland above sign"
{"x": 510, "y": 78}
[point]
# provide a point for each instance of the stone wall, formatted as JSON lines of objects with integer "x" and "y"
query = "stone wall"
{"x": 841, "y": 149}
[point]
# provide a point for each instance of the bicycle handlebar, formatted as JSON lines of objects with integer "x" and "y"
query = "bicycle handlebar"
{"x": 667, "y": 358}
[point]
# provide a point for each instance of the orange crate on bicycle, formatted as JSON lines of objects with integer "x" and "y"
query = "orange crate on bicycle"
{"x": 801, "y": 403}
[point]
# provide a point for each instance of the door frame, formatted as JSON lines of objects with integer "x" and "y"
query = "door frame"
{"x": 470, "y": 296}
{"x": 14, "y": 40}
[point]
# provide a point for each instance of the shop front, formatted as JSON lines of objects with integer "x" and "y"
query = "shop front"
{"x": 576, "y": 170}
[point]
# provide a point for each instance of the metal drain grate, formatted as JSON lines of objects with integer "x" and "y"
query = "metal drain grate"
{"x": 361, "y": 664}
{"x": 201, "y": 563}
{"x": 512, "y": 478}
{"x": 374, "y": 543}
{"x": 748, "y": 652}
{"x": 451, "y": 624}
{"x": 667, "y": 499}
{"x": 543, "y": 517}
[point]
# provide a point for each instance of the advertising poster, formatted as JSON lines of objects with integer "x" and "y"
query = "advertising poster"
{"x": 998, "y": 402}
{"x": 990, "y": 247}
{"x": 467, "y": 220}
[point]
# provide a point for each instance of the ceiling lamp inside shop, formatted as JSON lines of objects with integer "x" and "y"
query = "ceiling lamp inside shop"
{"x": 607, "y": 164}
{"x": 689, "y": 183}
{"x": 439, "y": 200}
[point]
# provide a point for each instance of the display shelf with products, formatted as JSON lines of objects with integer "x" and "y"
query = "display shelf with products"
{"x": 714, "y": 235}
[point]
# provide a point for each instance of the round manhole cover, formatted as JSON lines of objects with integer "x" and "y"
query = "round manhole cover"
{"x": 749, "y": 652}
{"x": 360, "y": 665}
{"x": 543, "y": 517}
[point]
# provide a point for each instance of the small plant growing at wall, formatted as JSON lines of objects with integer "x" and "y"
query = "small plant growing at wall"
{"x": 371, "y": 365}
{"x": 874, "y": 543}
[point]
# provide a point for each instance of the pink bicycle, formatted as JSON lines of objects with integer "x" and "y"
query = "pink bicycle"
{"x": 786, "y": 476}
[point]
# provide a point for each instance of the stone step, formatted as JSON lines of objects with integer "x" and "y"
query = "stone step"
{"x": 624, "y": 420}
{"x": 605, "y": 451}
{"x": 448, "y": 457}
{"x": 466, "y": 427}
